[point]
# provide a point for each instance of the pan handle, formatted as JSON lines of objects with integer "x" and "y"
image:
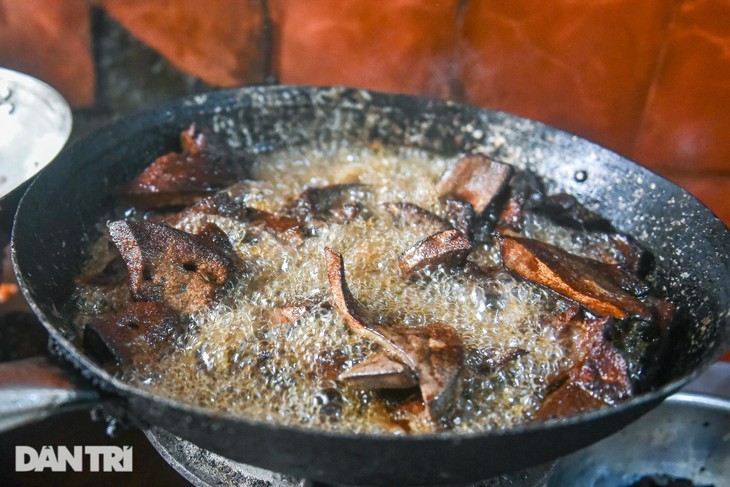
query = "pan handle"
{"x": 35, "y": 388}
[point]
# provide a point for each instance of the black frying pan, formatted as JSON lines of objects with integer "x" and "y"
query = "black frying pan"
{"x": 56, "y": 221}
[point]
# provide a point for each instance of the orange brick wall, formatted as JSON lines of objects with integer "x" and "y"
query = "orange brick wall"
{"x": 50, "y": 40}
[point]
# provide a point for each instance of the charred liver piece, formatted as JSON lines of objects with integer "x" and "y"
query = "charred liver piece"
{"x": 284, "y": 228}
{"x": 335, "y": 203}
{"x": 476, "y": 180}
{"x": 565, "y": 210}
{"x": 141, "y": 332}
{"x": 212, "y": 235}
{"x": 169, "y": 266}
{"x": 627, "y": 280}
{"x": 220, "y": 204}
{"x": 353, "y": 312}
{"x": 379, "y": 371}
{"x": 437, "y": 353}
{"x": 599, "y": 377}
{"x": 581, "y": 280}
{"x": 525, "y": 192}
{"x": 488, "y": 361}
{"x": 564, "y": 322}
{"x": 448, "y": 248}
{"x": 434, "y": 353}
{"x": 182, "y": 178}
{"x": 602, "y": 370}
{"x": 567, "y": 399}
{"x": 344, "y": 302}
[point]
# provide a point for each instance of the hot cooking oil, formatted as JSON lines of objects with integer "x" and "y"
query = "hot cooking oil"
{"x": 235, "y": 360}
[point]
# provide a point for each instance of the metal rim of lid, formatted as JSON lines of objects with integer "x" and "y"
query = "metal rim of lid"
{"x": 52, "y": 103}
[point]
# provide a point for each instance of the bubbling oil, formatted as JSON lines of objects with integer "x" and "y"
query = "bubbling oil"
{"x": 235, "y": 360}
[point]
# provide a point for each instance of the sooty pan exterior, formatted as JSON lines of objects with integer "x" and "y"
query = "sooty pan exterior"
{"x": 57, "y": 216}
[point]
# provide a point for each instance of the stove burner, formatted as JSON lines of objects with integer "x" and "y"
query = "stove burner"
{"x": 204, "y": 468}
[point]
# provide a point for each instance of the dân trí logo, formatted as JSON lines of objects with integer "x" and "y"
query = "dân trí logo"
{"x": 76, "y": 458}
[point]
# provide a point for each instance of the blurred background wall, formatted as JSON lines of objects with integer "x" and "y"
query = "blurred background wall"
{"x": 649, "y": 79}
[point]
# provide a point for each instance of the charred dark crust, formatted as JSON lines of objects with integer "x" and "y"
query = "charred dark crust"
{"x": 140, "y": 333}
{"x": 183, "y": 178}
{"x": 170, "y": 266}
{"x": 565, "y": 209}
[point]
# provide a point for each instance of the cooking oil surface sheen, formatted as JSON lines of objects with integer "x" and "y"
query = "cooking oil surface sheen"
{"x": 237, "y": 358}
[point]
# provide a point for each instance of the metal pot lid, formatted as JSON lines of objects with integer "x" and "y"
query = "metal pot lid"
{"x": 35, "y": 123}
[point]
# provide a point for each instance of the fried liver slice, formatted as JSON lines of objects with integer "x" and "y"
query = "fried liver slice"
{"x": 566, "y": 210}
{"x": 182, "y": 178}
{"x": 568, "y": 399}
{"x": 602, "y": 370}
{"x": 283, "y": 227}
{"x": 579, "y": 279}
{"x": 379, "y": 371}
{"x": 437, "y": 354}
{"x": 459, "y": 216}
{"x": 142, "y": 332}
{"x": 490, "y": 360}
{"x": 434, "y": 353}
{"x": 405, "y": 214}
{"x": 599, "y": 377}
{"x": 213, "y": 235}
{"x": 448, "y": 248}
{"x": 525, "y": 191}
{"x": 476, "y": 180}
{"x": 344, "y": 302}
{"x": 169, "y": 266}
{"x": 218, "y": 204}
{"x": 334, "y": 203}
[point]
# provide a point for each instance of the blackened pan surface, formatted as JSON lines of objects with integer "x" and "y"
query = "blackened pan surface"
{"x": 57, "y": 220}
